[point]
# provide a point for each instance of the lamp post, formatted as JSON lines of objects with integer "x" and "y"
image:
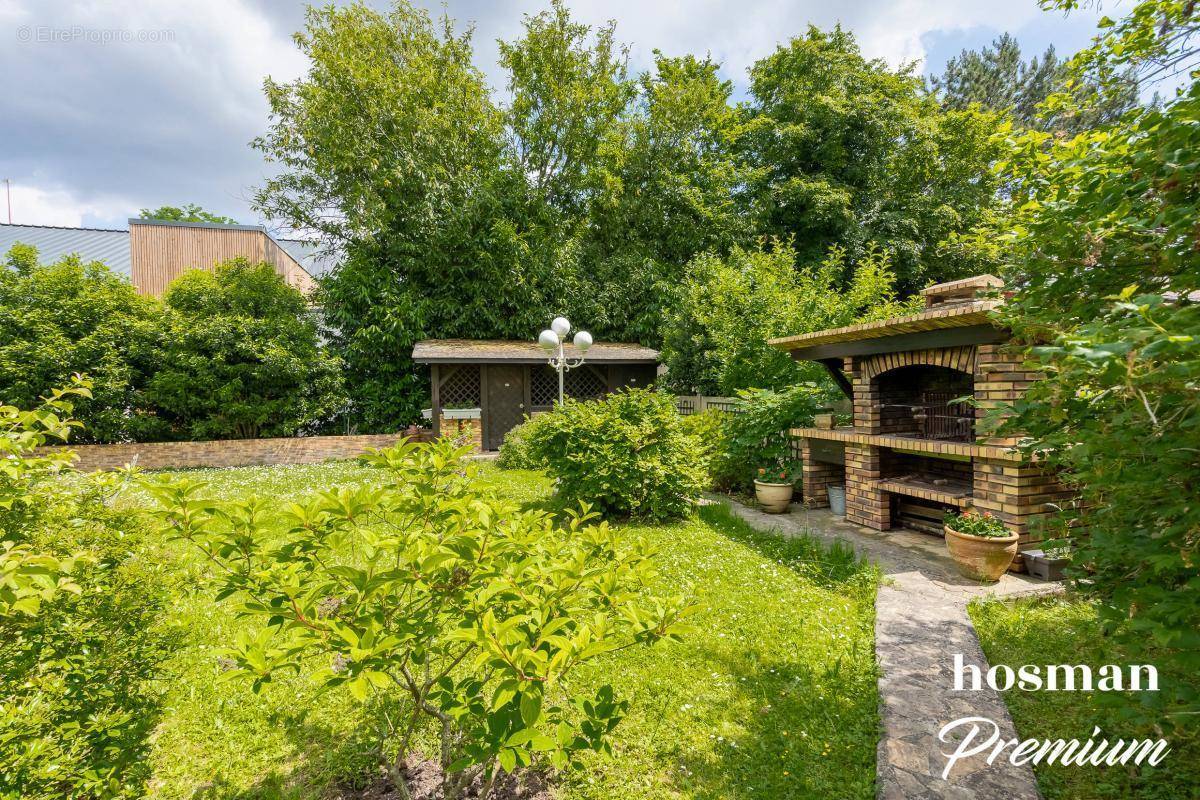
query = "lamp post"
{"x": 552, "y": 340}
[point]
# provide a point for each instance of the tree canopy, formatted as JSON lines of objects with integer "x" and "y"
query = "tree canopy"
{"x": 844, "y": 150}
{"x": 589, "y": 190}
{"x": 997, "y": 78}
{"x": 189, "y": 212}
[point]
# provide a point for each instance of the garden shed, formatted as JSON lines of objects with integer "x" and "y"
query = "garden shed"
{"x": 482, "y": 389}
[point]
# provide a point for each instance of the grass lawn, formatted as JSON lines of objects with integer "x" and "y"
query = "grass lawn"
{"x": 1066, "y": 631}
{"x": 773, "y": 696}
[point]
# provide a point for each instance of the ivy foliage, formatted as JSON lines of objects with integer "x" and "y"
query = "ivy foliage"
{"x": 473, "y": 611}
{"x": 1105, "y": 270}
{"x": 627, "y": 455}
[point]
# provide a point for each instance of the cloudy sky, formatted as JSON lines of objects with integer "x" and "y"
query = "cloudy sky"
{"x": 112, "y": 106}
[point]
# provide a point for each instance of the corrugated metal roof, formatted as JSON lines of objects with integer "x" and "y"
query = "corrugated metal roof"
{"x": 91, "y": 244}
{"x": 441, "y": 351}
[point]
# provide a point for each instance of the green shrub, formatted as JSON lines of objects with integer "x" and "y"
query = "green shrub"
{"x": 758, "y": 436}
{"x": 71, "y": 317}
{"x": 710, "y": 429}
{"x": 473, "y": 611}
{"x": 240, "y": 357}
{"x": 515, "y": 451}
{"x": 975, "y": 524}
{"x": 625, "y": 456}
{"x": 80, "y": 637}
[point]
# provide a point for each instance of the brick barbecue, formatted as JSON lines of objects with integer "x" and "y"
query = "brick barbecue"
{"x": 912, "y": 451}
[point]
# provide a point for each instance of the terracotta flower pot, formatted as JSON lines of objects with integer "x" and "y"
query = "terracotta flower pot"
{"x": 773, "y": 497}
{"x": 983, "y": 558}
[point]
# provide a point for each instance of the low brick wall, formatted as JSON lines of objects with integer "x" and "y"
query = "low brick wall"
{"x": 228, "y": 453}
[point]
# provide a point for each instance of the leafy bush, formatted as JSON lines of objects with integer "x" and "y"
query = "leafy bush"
{"x": 80, "y": 637}
{"x": 758, "y": 436}
{"x": 473, "y": 611}
{"x": 975, "y": 524}
{"x": 710, "y": 430}
{"x": 716, "y": 329}
{"x": 626, "y": 455}
{"x": 516, "y": 450}
{"x": 240, "y": 357}
{"x": 69, "y": 317}
{"x": 1104, "y": 270}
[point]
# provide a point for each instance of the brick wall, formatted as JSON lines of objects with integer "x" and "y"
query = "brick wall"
{"x": 817, "y": 477}
{"x": 468, "y": 431}
{"x": 226, "y": 453}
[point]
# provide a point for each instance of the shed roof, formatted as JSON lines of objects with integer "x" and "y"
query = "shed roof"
{"x": 447, "y": 351}
{"x": 959, "y": 315}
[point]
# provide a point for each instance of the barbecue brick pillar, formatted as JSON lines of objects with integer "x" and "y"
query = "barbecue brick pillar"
{"x": 866, "y": 503}
{"x": 868, "y": 416}
{"x": 1001, "y": 378}
{"x": 1019, "y": 495}
{"x": 818, "y": 476}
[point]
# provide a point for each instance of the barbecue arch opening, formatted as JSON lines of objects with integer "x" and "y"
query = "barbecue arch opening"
{"x": 926, "y": 401}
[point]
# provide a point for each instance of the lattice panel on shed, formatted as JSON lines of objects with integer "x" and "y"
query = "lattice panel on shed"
{"x": 584, "y": 384}
{"x": 543, "y": 386}
{"x": 460, "y": 389}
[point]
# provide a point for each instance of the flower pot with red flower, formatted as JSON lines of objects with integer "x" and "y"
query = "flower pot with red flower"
{"x": 774, "y": 487}
{"x": 982, "y": 548}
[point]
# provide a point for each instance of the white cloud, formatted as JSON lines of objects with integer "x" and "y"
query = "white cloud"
{"x": 35, "y": 205}
{"x": 99, "y": 129}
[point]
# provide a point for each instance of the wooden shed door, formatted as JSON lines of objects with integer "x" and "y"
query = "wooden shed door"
{"x": 505, "y": 402}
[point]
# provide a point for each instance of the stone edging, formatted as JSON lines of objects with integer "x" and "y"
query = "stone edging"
{"x": 224, "y": 453}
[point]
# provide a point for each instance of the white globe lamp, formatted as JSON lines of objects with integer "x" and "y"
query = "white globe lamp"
{"x": 548, "y": 340}
{"x": 583, "y": 340}
{"x": 561, "y": 326}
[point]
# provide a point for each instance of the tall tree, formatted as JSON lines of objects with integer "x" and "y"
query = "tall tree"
{"x": 997, "y": 78}
{"x": 847, "y": 151}
{"x": 668, "y": 195}
{"x": 568, "y": 95}
{"x": 1105, "y": 266}
{"x": 392, "y": 149}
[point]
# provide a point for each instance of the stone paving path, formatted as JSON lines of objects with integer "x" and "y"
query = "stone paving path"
{"x": 920, "y": 623}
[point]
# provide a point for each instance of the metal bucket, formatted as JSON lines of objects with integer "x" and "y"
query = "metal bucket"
{"x": 837, "y": 499}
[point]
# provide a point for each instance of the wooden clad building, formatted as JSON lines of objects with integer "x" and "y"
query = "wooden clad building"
{"x": 160, "y": 251}
{"x": 482, "y": 389}
{"x": 912, "y": 451}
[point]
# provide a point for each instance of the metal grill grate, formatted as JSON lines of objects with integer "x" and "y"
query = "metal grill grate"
{"x": 461, "y": 388}
{"x": 941, "y": 419}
